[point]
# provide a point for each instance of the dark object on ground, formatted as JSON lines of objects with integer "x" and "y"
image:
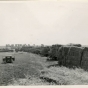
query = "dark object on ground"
{"x": 8, "y": 59}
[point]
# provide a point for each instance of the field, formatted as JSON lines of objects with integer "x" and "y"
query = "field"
{"x": 32, "y": 69}
{"x": 26, "y": 65}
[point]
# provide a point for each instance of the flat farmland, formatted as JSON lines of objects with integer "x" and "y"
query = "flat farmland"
{"x": 32, "y": 69}
{"x": 25, "y": 64}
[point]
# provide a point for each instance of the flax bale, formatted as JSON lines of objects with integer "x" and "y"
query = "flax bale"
{"x": 53, "y": 51}
{"x": 74, "y": 56}
{"x": 62, "y": 53}
{"x": 84, "y": 62}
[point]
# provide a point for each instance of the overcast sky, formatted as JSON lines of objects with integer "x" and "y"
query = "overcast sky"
{"x": 43, "y": 22}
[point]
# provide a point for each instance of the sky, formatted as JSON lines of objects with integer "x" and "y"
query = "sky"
{"x": 43, "y": 22}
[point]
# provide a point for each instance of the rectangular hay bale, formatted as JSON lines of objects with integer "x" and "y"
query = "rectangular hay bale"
{"x": 72, "y": 63}
{"x": 62, "y": 53}
{"x": 74, "y": 56}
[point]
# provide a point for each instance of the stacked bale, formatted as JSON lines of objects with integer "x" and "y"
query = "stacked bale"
{"x": 84, "y": 62}
{"x": 53, "y": 51}
{"x": 45, "y": 51}
{"x": 74, "y": 56}
{"x": 61, "y": 55}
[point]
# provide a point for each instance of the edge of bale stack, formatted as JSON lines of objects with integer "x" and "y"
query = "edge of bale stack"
{"x": 74, "y": 56}
{"x": 84, "y": 62}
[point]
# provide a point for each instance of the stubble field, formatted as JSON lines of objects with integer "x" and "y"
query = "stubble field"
{"x": 32, "y": 69}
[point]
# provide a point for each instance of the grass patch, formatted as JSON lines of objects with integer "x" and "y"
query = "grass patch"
{"x": 30, "y": 81}
{"x": 66, "y": 76}
{"x": 25, "y": 64}
{"x": 32, "y": 69}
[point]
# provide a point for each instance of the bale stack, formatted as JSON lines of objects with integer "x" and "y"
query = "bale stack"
{"x": 84, "y": 61}
{"x": 74, "y": 56}
{"x": 53, "y": 51}
{"x": 61, "y": 55}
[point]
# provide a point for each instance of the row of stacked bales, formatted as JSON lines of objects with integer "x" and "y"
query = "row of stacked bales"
{"x": 84, "y": 61}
